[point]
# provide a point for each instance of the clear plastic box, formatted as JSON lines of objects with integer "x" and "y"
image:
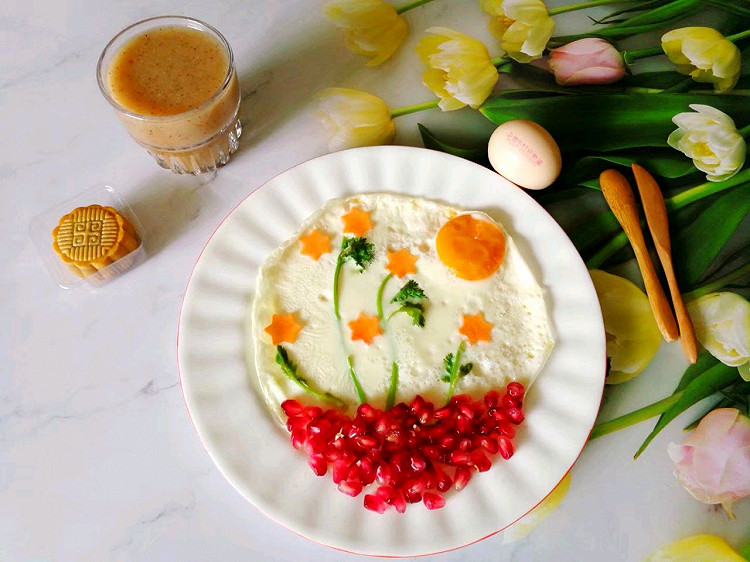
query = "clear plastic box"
{"x": 43, "y": 224}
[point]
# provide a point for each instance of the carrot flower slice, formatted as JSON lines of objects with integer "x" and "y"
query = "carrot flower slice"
{"x": 357, "y": 222}
{"x": 475, "y": 328}
{"x": 401, "y": 263}
{"x": 365, "y": 328}
{"x": 315, "y": 244}
{"x": 283, "y": 328}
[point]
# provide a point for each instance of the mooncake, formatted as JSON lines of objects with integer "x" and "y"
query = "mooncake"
{"x": 88, "y": 239}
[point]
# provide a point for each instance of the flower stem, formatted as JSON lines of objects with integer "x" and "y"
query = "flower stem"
{"x": 411, "y": 5}
{"x": 380, "y": 295}
{"x": 406, "y": 110}
{"x": 647, "y": 412}
{"x": 355, "y": 380}
{"x": 581, "y": 6}
{"x": 498, "y": 61}
{"x": 738, "y": 36}
{"x": 704, "y": 190}
{"x": 632, "y": 56}
{"x": 719, "y": 283}
{"x": 744, "y": 131}
{"x": 391, "y": 398}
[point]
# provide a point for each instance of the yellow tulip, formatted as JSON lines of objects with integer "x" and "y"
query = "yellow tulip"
{"x": 459, "y": 68}
{"x": 373, "y": 27}
{"x": 698, "y": 548}
{"x": 523, "y": 26}
{"x": 354, "y": 118}
{"x": 705, "y": 55}
{"x": 633, "y": 337}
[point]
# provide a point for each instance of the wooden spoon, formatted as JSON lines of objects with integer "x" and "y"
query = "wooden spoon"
{"x": 656, "y": 217}
{"x": 621, "y": 200}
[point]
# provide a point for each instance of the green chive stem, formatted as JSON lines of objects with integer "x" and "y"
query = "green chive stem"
{"x": 336, "y": 275}
{"x": 358, "y": 387}
{"x": 391, "y": 398}
{"x": 380, "y": 295}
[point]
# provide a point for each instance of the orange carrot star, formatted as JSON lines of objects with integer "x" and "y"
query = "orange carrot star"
{"x": 475, "y": 328}
{"x": 402, "y": 262}
{"x": 283, "y": 328}
{"x": 357, "y": 222}
{"x": 365, "y": 328}
{"x": 315, "y": 244}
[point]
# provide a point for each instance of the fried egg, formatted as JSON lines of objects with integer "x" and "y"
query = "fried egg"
{"x": 478, "y": 288}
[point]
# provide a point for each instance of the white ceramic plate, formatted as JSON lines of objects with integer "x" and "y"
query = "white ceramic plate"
{"x": 254, "y": 454}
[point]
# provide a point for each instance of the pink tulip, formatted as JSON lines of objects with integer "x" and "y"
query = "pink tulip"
{"x": 586, "y": 61}
{"x": 713, "y": 463}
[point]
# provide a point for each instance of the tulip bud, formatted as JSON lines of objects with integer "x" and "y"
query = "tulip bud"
{"x": 586, "y": 61}
{"x": 354, "y": 118}
{"x": 713, "y": 463}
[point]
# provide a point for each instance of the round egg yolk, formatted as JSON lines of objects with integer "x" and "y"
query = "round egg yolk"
{"x": 472, "y": 248}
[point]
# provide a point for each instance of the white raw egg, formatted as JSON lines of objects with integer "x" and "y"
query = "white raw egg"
{"x": 525, "y": 153}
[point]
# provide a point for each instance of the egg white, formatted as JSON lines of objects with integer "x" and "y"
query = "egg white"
{"x": 289, "y": 282}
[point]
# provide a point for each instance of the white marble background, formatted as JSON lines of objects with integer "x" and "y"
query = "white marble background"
{"x": 98, "y": 458}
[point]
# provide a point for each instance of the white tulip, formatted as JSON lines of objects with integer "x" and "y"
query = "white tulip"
{"x": 722, "y": 325}
{"x": 710, "y": 138}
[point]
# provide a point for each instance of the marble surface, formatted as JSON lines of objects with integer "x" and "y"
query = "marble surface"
{"x": 98, "y": 457}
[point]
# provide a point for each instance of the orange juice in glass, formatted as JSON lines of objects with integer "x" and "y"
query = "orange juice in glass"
{"x": 172, "y": 82}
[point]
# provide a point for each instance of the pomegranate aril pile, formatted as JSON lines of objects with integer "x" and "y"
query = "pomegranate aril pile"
{"x": 412, "y": 453}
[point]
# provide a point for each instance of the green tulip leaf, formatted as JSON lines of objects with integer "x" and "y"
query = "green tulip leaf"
{"x": 478, "y": 155}
{"x": 696, "y": 245}
{"x": 607, "y": 122}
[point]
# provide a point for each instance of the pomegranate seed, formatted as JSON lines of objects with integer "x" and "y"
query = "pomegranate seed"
{"x": 312, "y": 412}
{"x": 443, "y": 413}
{"x": 465, "y": 444}
{"x": 374, "y": 503}
{"x": 464, "y": 426}
{"x": 398, "y": 501}
{"x": 356, "y": 429}
{"x": 384, "y": 473}
{"x": 340, "y": 470}
{"x": 480, "y": 461}
{"x": 291, "y": 407}
{"x": 350, "y": 487}
{"x": 385, "y": 493}
{"x": 461, "y": 478}
{"x": 367, "y": 412}
{"x": 366, "y": 442}
{"x": 294, "y": 422}
{"x": 504, "y": 428}
{"x": 412, "y": 497}
{"x": 319, "y": 426}
{"x": 427, "y": 414}
{"x": 318, "y": 464}
{"x": 415, "y": 485}
{"x": 492, "y": 398}
{"x": 418, "y": 464}
{"x": 399, "y": 411}
{"x": 488, "y": 443}
{"x": 507, "y": 402}
{"x": 315, "y": 445}
{"x": 497, "y": 414}
{"x": 432, "y": 500}
{"x": 298, "y": 437}
{"x": 410, "y": 438}
{"x": 382, "y": 425}
{"x": 515, "y": 389}
{"x": 417, "y": 405}
{"x": 442, "y": 480}
{"x": 505, "y": 446}
{"x": 449, "y": 442}
{"x": 367, "y": 471}
{"x": 515, "y": 415}
{"x": 458, "y": 458}
{"x": 431, "y": 452}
